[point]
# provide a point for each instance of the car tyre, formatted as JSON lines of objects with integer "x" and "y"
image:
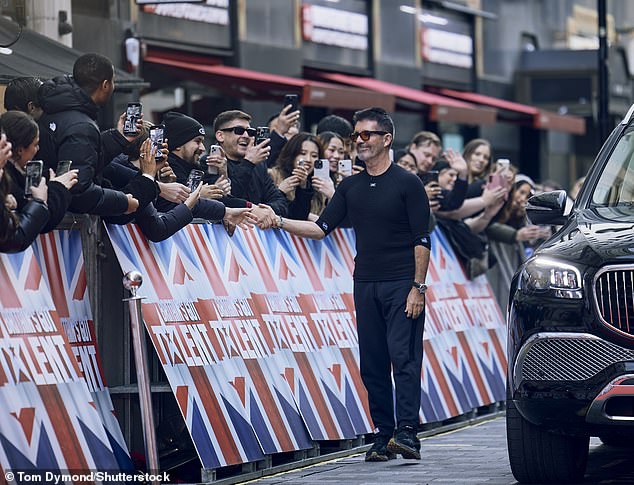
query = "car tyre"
{"x": 539, "y": 456}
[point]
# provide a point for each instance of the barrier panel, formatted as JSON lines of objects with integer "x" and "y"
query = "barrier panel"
{"x": 49, "y": 419}
{"x": 257, "y": 336}
{"x": 61, "y": 260}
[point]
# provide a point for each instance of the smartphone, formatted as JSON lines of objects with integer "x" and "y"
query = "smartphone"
{"x": 63, "y": 166}
{"x": 496, "y": 181}
{"x": 429, "y": 176}
{"x": 261, "y": 134}
{"x": 132, "y": 115}
{"x": 345, "y": 167}
{"x": 33, "y": 176}
{"x": 293, "y": 100}
{"x": 503, "y": 162}
{"x": 217, "y": 151}
{"x": 322, "y": 168}
{"x": 194, "y": 179}
{"x": 156, "y": 137}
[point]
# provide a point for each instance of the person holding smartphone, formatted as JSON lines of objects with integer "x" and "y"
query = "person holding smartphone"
{"x": 292, "y": 176}
{"x": 185, "y": 140}
{"x": 247, "y": 171}
{"x": 69, "y": 131}
{"x": 23, "y": 134}
{"x": 19, "y": 227}
{"x": 282, "y": 127}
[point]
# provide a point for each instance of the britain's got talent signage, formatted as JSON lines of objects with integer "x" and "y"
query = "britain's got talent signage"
{"x": 61, "y": 260}
{"x": 257, "y": 336}
{"x": 49, "y": 420}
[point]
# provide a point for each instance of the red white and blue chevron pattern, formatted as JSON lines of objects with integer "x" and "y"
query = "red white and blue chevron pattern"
{"x": 257, "y": 335}
{"x": 48, "y": 417}
{"x": 60, "y": 257}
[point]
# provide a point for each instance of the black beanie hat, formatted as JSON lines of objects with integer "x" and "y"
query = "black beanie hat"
{"x": 180, "y": 129}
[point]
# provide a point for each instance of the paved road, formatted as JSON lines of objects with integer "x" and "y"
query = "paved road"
{"x": 471, "y": 456}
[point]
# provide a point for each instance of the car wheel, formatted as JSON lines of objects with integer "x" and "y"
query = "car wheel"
{"x": 538, "y": 456}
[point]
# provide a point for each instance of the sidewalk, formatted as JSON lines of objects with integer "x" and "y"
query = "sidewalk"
{"x": 473, "y": 455}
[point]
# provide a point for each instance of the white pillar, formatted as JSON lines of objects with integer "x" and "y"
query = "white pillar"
{"x": 42, "y": 16}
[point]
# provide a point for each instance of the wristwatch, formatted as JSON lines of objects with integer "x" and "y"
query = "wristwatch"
{"x": 421, "y": 287}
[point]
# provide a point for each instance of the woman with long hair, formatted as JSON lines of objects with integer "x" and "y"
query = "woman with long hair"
{"x": 19, "y": 230}
{"x": 292, "y": 176}
{"x": 477, "y": 154}
{"x": 23, "y": 134}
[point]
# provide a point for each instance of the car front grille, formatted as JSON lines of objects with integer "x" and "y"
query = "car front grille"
{"x": 614, "y": 297}
{"x": 568, "y": 357}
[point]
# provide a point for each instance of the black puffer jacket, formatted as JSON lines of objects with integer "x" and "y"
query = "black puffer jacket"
{"x": 69, "y": 131}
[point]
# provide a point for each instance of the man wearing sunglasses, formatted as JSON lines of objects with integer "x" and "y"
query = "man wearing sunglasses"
{"x": 389, "y": 212}
{"x": 246, "y": 165}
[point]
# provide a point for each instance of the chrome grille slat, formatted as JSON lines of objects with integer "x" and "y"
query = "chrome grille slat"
{"x": 614, "y": 298}
{"x": 567, "y": 359}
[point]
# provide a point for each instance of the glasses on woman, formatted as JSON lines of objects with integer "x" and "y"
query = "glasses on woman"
{"x": 239, "y": 130}
{"x": 365, "y": 134}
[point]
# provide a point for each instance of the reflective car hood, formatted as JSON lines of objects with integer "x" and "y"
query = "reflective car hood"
{"x": 595, "y": 237}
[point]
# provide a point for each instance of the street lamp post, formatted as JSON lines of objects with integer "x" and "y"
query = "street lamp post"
{"x": 604, "y": 94}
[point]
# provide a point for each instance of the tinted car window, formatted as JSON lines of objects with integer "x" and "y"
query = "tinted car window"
{"x": 616, "y": 184}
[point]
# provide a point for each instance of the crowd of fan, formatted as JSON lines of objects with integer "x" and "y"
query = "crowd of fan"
{"x": 123, "y": 178}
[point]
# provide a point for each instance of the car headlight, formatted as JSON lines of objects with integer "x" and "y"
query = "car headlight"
{"x": 555, "y": 278}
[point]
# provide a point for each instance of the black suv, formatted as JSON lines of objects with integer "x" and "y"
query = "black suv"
{"x": 571, "y": 324}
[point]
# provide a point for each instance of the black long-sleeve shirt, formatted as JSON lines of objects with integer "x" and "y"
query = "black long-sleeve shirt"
{"x": 155, "y": 225}
{"x": 454, "y": 198}
{"x": 211, "y": 210}
{"x": 389, "y": 214}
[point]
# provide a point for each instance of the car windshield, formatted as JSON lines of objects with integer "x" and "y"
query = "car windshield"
{"x": 616, "y": 184}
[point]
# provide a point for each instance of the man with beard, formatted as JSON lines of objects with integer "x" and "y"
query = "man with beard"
{"x": 185, "y": 137}
{"x": 389, "y": 212}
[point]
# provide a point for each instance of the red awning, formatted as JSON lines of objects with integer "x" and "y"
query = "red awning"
{"x": 442, "y": 108}
{"x": 545, "y": 120}
{"x": 246, "y": 83}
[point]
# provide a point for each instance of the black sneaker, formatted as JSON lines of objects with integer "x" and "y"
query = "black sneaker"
{"x": 406, "y": 443}
{"x": 378, "y": 451}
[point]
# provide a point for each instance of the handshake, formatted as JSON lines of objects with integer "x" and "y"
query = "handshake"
{"x": 263, "y": 216}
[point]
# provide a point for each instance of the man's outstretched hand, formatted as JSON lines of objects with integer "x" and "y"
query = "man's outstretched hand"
{"x": 263, "y": 216}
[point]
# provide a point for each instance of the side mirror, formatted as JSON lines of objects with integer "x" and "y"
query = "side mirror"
{"x": 549, "y": 208}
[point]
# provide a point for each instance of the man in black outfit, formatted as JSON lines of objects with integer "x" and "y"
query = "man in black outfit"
{"x": 389, "y": 211}
{"x": 185, "y": 138}
{"x": 69, "y": 131}
{"x": 246, "y": 165}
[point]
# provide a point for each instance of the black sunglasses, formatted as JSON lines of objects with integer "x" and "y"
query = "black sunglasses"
{"x": 239, "y": 130}
{"x": 365, "y": 134}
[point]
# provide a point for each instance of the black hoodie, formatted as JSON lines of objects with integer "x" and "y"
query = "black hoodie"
{"x": 69, "y": 131}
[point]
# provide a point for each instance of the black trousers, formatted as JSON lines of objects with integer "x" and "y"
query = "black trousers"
{"x": 389, "y": 341}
